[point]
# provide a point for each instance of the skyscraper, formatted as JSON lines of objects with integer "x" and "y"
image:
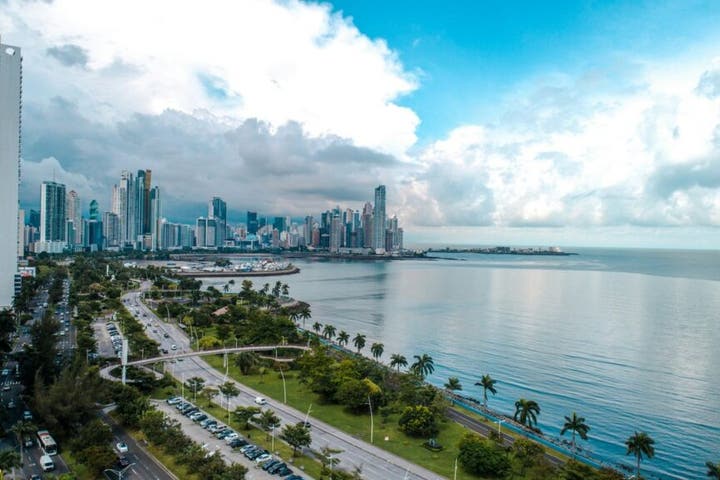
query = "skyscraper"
{"x": 155, "y": 217}
{"x": 10, "y": 124}
{"x": 252, "y": 223}
{"x": 52, "y": 212}
{"x": 74, "y": 224}
{"x": 123, "y": 205}
{"x": 217, "y": 209}
{"x": 379, "y": 218}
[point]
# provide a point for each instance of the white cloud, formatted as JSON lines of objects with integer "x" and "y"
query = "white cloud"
{"x": 646, "y": 154}
{"x": 275, "y": 61}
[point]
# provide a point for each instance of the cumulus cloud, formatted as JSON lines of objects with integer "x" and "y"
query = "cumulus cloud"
{"x": 644, "y": 154}
{"x": 69, "y": 55}
{"x": 274, "y": 61}
{"x": 193, "y": 156}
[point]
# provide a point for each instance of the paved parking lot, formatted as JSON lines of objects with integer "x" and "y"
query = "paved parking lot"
{"x": 202, "y": 436}
{"x": 105, "y": 348}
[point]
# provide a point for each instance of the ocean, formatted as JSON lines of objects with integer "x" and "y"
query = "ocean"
{"x": 628, "y": 339}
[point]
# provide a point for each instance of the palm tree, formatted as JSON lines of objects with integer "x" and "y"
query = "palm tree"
{"x": 377, "y": 350}
{"x": 9, "y": 460}
{"x": 305, "y": 313}
{"x": 526, "y": 412}
{"x": 359, "y": 342}
{"x": 317, "y": 326}
{"x": 713, "y": 470}
{"x": 488, "y": 385}
{"x": 329, "y": 331}
{"x": 343, "y": 338}
{"x": 453, "y": 384}
{"x": 640, "y": 444}
{"x": 397, "y": 361}
{"x": 285, "y": 290}
{"x": 577, "y": 425}
{"x": 423, "y": 366}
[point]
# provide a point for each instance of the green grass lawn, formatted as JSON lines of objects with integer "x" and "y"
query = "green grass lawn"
{"x": 386, "y": 434}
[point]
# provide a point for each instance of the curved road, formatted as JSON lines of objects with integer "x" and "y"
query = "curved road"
{"x": 375, "y": 463}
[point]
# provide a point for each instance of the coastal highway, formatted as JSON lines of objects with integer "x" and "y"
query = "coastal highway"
{"x": 484, "y": 430}
{"x": 374, "y": 463}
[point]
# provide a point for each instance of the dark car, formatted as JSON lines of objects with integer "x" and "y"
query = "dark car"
{"x": 284, "y": 472}
{"x": 305, "y": 424}
{"x": 123, "y": 462}
{"x": 270, "y": 463}
{"x": 276, "y": 468}
{"x": 238, "y": 442}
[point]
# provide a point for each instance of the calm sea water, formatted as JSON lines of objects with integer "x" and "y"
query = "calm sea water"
{"x": 629, "y": 339}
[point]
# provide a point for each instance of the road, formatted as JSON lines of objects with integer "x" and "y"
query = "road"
{"x": 144, "y": 465}
{"x": 374, "y": 462}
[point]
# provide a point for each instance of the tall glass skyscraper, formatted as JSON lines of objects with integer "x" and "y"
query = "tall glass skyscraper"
{"x": 52, "y": 212}
{"x": 10, "y": 122}
{"x": 379, "y": 218}
{"x": 217, "y": 210}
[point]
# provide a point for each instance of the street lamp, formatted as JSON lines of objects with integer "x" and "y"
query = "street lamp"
{"x": 372, "y": 423}
{"x": 500, "y": 422}
{"x": 282, "y": 375}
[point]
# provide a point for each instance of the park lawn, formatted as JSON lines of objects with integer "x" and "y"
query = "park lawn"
{"x": 409, "y": 448}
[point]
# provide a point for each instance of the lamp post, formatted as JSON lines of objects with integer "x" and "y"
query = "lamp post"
{"x": 372, "y": 423}
{"x": 500, "y": 422}
{"x": 455, "y": 469}
{"x": 282, "y": 375}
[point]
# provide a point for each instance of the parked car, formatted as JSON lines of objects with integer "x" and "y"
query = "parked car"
{"x": 238, "y": 442}
{"x": 270, "y": 463}
{"x": 263, "y": 458}
{"x": 173, "y": 400}
{"x": 230, "y": 437}
{"x": 284, "y": 471}
{"x": 274, "y": 469}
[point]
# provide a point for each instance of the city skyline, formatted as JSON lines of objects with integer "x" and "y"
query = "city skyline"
{"x": 135, "y": 221}
{"x": 488, "y": 123}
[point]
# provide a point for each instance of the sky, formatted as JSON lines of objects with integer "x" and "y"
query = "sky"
{"x": 581, "y": 123}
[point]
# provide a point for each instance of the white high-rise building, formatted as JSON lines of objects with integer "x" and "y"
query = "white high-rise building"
{"x": 10, "y": 124}
{"x": 74, "y": 220}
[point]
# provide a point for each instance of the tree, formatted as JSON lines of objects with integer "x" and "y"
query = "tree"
{"x": 713, "y": 469}
{"x": 418, "y": 421}
{"x": 640, "y": 444}
{"x": 359, "y": 342}
{"x": 317, "y": 326}
{"x": 575, "y": 425}
{"x": 329, "y": 332}
{"x": 208, "y": 393}
{"x": 297, "y": 436}
{"x": 527, "y": 453}
{"x": 245, "y": 414}
{"x": 195, "y": 384}
{"x": 526, "y": 412}
{"x": 483, "y": 457}
{"x": 305, "y": 313}
{"x": 229, "y": 390}
{"x": 488, "y": 385}
{"x": 423, "y": 366}
{"x": 246, "y": 361}
{"x": 397, "y": 361}
{"x": 453, "y": 384}
{"x": 268, "y": 420}
{"x": 343, "y": 338}
{"x": 377, "y": 350}
{"x": 285, "y": 290}
{"x": 9, "y": 460}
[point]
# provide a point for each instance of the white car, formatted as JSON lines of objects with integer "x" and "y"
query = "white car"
{"x": 263, "y": 458}
{"x": 173, "y": 347}
{"x": 231, "y": 437}
{"x": 260, "y": 401}
{"x": 122, "y": 447}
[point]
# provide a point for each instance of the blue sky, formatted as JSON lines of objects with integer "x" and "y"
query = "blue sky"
{"x": 586, "y": 123}
{"x": 472, "y": 54}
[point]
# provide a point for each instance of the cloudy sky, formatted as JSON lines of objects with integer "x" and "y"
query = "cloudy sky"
{"x": 496, "y": 122}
